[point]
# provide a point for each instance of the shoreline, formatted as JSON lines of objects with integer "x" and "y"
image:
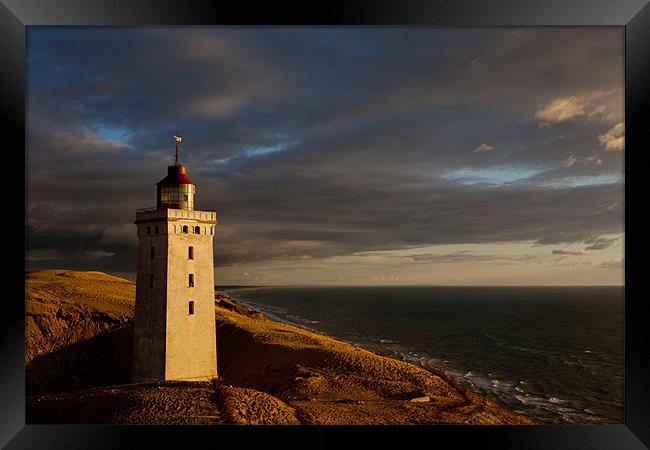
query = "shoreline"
{"x": 456, "y": 380}
{"x": 507, "y": 393}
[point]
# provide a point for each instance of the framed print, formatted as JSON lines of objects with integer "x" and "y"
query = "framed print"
{"x": 421, "y": 215}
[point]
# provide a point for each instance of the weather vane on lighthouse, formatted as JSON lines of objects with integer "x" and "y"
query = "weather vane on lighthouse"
{"x": 177, "y": 138}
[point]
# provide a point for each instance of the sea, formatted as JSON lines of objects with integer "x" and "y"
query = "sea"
{"x": 555, "y": 354}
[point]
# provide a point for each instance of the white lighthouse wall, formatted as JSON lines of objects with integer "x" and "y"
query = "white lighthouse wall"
{"x": 190, "y": 338}
{"x": 150, "y": 304}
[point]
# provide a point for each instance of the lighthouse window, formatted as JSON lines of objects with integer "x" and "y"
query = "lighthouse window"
{"x": 148, "y": 230}
{"x": 191, "y": 284}
{"x": 197, "y": 230}
{"x": 152, "y": 252}
{"x": 190, "y": 252}
{"x": 191, "y": 306}
{"x": 185, "y": 229}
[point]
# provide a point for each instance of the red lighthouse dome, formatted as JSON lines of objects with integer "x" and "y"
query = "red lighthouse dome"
{"x": 176, "y": 190}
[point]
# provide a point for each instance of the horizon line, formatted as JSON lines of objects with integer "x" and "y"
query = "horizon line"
{"x": 232, "y": 286}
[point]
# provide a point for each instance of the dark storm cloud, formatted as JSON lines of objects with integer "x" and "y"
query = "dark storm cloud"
{"x": 562, "y": 237}
{"x": 612, "y": 264}
{"x": 595, "y": 242}
{"x": 567, "y": 253}
{"x": 375, "y": 217}
{"x": 601, "y": 243}
{"x": 467, "y": 256}
{"x": 319, "y": 142}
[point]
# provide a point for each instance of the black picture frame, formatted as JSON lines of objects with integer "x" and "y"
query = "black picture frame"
{"x": 634, "y": 15}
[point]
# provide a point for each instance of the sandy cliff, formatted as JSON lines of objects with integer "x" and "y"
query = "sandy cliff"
{"x": 78, "y": 338}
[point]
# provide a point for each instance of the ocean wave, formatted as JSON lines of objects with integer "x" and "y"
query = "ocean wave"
{"x": 512, "y": 394}
{"x": 521, "y": 348}
{"x": 260, "y": 306}
{"x": 551, "y": 409}
{"x": 523, "y": 399}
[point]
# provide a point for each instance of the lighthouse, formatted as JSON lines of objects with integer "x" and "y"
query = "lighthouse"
{"x": 174, "y": 334}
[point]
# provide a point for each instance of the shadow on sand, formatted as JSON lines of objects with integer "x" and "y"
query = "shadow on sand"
{"x": 104, "y": 359}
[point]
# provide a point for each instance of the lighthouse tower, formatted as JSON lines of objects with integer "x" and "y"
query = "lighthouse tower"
{"x": 174, "y": 333}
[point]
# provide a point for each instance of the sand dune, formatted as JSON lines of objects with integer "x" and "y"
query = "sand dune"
{"x": 78, "y": 332}
{"x": 63, "y": 307}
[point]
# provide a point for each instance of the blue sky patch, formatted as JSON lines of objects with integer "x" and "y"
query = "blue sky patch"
{"x": 497, "y": 175}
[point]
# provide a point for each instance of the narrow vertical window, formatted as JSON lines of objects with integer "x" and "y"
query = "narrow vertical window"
{"x": 151, "y": 280}
{"x": 191, "y": 307}
{"x": 152, "y": 252}
{"x": 148, "y": 230}
{"x": 197, "y": 230}
{"x": 156, "y": 229}
{"x": 190, "y": 252}
{"x": 191, "y": 280}
{"x": 184, "y": 228}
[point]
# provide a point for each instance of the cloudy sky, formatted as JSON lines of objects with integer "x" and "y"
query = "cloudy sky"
{"x": 336, "y": 155}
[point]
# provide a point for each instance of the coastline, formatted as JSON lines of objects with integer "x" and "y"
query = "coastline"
{"x": 552, "y": 375}
{"x": 269, "y": 372}
{"x": 330, "y": 378}
{"x": 455, "y": 380}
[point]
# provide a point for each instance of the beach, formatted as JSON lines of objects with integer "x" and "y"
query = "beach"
{"x": 78, "y": 350}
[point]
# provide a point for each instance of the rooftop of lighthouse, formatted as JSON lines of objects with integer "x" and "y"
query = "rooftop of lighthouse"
{"x": 176, "y": 172}
{"x": 176, "y": 175}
